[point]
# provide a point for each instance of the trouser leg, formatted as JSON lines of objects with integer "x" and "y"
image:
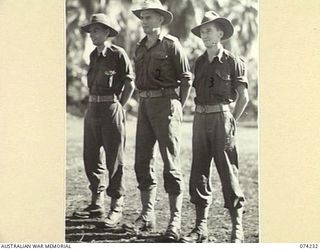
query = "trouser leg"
{"x": 114, "y": 136}
{"x": 166, "y": 122}
{"x": 144, "y": 169}
{"x": 226, "y": 160}
{"x": 94, "y": 168}
{"x": 199, "y": 185}
{"x": 145, "y": 141}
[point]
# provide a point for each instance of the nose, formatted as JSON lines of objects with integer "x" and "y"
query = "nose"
{"x": 203, "y": 35}
{"x": 143, "y": 20}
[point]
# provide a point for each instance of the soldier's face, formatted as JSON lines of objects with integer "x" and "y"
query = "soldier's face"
{"x": 210, "y": 35}
{"x": 98, "y": 34}
{"x": 150, "y": 20}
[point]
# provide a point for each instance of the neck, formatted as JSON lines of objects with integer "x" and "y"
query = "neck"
{"x": 100, "y": 47}
{"x": 154, "y": 35}
{"x": 214, "y": 50}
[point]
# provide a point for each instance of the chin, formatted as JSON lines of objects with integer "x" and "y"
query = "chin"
{"x": 146, "y": 30}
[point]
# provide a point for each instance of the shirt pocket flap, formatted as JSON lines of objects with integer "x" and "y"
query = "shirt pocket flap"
{"x": 223, "y": 76}
{"x": 160, "y": 55}
{"x": 109, "y": 72}
{"x": 138, "y": 57}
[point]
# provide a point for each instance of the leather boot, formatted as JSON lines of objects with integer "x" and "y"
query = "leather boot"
{"x": 115, "y": 214}
{"x": 95, "y": 210}
{"x": 200, "y": 233}
{"x": 146, "y": 222}
{"x": 174, "y": 228}
{"x": 237, "y": 235}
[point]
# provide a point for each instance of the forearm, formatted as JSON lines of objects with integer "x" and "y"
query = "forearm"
{"x": 127, "y": 92}
{"x": 240, "y": 106}
{"x": 185, "y": 88}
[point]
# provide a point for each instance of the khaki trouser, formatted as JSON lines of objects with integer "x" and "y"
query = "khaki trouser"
{"x": 159, "y": 119}
{"x": 214, "y": 137}
{"x": 104, "y": 126}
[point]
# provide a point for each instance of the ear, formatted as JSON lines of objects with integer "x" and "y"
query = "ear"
{"x": 107, "y": 32}
{"x": 221, "y": 34}
{"x": 161, "y": 19}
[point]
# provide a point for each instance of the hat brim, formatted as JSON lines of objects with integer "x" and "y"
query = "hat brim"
{"x": 225, "y": 24}
{"x": 168, "y": 17}
{"x": 113, "y": 32}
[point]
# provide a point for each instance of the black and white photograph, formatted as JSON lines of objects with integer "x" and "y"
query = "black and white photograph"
{"x": 162, "y": 121}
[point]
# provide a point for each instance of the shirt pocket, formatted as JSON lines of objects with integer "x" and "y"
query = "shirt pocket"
{"x": 138, "y": 58}
{"x": 160, "y": 65}
{"x": 222, "y": 85}
{"x": 109, "y": 75}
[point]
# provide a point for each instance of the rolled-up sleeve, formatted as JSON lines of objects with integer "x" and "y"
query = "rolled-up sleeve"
{"x": 125, "y": 67}
{"x": 180, "y": 61}
{"x": 240, "y": 73}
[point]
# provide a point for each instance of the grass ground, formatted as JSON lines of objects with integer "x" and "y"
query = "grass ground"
{"x": 78, "y": 195}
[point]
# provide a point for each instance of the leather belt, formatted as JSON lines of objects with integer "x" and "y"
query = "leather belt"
{"x": 212, "y": 108}
{"x": 102, "y": 98}
{"x": 157, "y": 93}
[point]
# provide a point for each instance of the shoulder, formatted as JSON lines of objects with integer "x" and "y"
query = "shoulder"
{"x": 200, "y": 59}
{"x": 171, "y": 40}
{"x": 118, "y": 50}
{"x": 173, "y": 44}
{"x": 93, "y": 53}
{"x": 228, "y": 55}
{"x": 234, "y": 58}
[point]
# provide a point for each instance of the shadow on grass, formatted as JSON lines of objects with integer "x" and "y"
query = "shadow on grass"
{"x": 92, "y": 230}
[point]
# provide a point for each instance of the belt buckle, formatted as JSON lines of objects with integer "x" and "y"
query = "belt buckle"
{"x": 163, "y": 91}
{"x": 93, "y": 98}
{"x": 148, "y": 94}
{"x": 202, "y": 109}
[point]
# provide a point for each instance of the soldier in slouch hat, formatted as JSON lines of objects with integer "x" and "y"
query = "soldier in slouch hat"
{"x": 220, "y": 79}
{"x": 110, "y": 82}
{"x": 161, "y": 69}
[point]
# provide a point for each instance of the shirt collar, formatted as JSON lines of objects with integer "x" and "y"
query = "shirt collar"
{"x": 161, "y": 36}
{"x": 144, "y": 39}
{"x": 219, "y": 55}
{"x": 104, "y": 51}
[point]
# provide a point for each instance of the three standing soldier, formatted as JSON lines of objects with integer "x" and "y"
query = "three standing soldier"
{"x": 163, "y": 80}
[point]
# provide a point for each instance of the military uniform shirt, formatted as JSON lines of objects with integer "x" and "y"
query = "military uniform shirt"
{"x": 161, "y": 66}
{"x": 216, "y": 82}
{"x": 108, "y": 71}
